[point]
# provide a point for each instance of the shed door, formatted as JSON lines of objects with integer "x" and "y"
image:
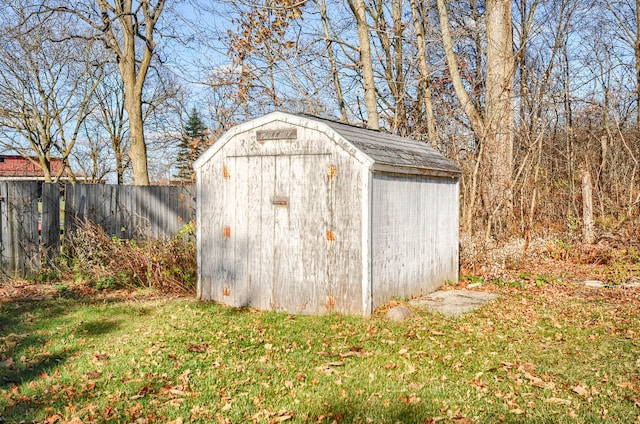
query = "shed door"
{"x": 284, "y": 230}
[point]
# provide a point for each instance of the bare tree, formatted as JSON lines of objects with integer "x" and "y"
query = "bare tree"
{"x": 494, "y": 126}
{"x": 107, "y": 130}
{"x": 425, "y": 96}
{"x": 626, "y": 15}
{"x": 46, "y": 88}
{"x": 128, "y": 30}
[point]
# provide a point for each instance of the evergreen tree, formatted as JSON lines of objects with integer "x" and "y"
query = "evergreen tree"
{"x": 194, "y": 135}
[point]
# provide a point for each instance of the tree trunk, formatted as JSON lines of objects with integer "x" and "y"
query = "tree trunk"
{"x": 401, "y": 121}
{"x": 588, "y": 232}
{"x": 495, "y": 129}
{"x": 499, "y": 120}
{"x": 366, "y": 63}
{"x": 138, "y": 147}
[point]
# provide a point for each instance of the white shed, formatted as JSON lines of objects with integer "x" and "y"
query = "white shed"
{"x": 306, "y": 215}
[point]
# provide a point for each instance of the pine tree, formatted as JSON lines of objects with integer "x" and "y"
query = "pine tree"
{"x": 194, "y": 135}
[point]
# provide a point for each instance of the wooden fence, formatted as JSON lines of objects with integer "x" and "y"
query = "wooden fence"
{"x": 35, "y": 216}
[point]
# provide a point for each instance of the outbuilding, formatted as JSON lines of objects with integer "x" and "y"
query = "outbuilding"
{"x": 306, "y": 215}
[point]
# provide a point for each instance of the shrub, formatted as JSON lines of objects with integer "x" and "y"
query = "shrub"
{"x": 168, "y": 265}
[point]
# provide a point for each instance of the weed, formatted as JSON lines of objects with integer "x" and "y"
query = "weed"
{"x": 524, "y": 275}
{"x": 518, "y": 284}
{"x": 541, "y": 280}
{"x": 498, "y": 282}
{"x": 105, "y": 283}
{"x": 620, "y": 272}
{"x": 61, "y": 287}
{"x": 474, "y": 279}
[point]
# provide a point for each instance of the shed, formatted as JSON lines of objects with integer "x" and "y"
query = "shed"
{"x": 306, "y": 215}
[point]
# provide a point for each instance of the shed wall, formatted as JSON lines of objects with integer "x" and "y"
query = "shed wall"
{"x": 414, "y": 235}
{"x": 256, "y": 253}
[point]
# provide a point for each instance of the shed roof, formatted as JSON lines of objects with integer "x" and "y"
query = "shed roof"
{"x": 385, "y": 152}
{"x": 391, "y": 151}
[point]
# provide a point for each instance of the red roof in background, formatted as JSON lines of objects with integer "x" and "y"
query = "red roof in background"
{"x": 15, "y": 167}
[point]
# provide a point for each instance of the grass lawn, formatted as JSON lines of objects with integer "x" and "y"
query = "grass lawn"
{"x": 556, "y": 353}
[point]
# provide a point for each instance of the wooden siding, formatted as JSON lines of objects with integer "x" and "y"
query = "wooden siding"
{"x": 278, "y": 256}
{"x": 414, "y": 235}
{"x": 130, "y": 212}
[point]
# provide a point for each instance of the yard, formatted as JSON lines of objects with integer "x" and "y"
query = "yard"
{"x": 546, "y": 351}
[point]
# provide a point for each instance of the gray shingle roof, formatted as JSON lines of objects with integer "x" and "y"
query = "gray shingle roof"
{"x": 392, "y": 150}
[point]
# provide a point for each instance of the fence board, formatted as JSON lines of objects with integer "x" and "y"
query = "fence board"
{"x": 50, "y": 222}
{"x": 6, "y": 239}
{"x": 28, "y": 234}
{"x": 132, "y": 212}
{"x": 20, "y": 247}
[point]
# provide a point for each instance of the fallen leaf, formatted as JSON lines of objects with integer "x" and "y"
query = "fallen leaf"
{"x": 178, "y": 392}
{"x": 93, "y": 374}
{"x": 581, "y": 390}
{"x": 197, "y": 348}
{"x": 282, "y": 417}
{"x": 7, "y": 363}
{"x": 52, "y": 419}
{"x": 558, "y": 401}
{"x": 462, "y": 420}
{"x": 538, "y": 382}
{"x": 626, "y": 385}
